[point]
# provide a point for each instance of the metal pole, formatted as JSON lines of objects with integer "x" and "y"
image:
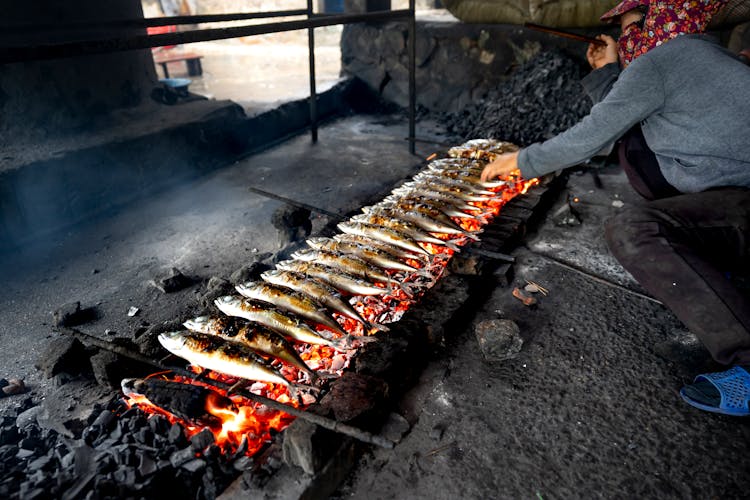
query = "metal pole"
{"x": 313, "y": 92}
{"x": 412, "y": 76}
{"x": 9, "y": 54}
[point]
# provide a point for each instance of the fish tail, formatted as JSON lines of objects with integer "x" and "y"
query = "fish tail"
{"x": 370, "y": 325}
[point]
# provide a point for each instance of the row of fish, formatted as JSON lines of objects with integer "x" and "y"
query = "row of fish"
{"x": 373, "y": 254}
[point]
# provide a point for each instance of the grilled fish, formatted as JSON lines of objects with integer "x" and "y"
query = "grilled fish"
{"x": 364, "y": 251}
{"x": 392, "y": 250}
{"x": 447, "y": 204}
{"x": 384, "y": 234}
{"x": 472, "y": 176}
{"x": 454, "y": 191}
{"x": 437, "y": 222}
{"x": 334, "y": 277}
{"x": 273, "y": 319}
{"x": 319, "y": 290}
{"x": 404, "y": 227}
{"x": 217, "y": 354}
{"x": 458, "y": 181}
{"x": 296, "y": 302}
{"x": 256, "y": 337}
{"x": 348, "y": 263}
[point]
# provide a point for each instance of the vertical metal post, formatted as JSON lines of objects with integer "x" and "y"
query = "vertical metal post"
{"x": 412, "y": 76}
{"x": 313, "y": 93}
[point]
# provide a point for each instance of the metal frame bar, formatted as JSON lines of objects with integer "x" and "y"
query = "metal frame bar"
{"x": 17, "y": 54}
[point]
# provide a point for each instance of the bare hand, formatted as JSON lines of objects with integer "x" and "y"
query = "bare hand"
{"x": 599, "y": 55}
{"x": 504, "y": 165}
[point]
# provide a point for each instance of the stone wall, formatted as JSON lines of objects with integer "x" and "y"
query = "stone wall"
{"x": 457, "y": 63}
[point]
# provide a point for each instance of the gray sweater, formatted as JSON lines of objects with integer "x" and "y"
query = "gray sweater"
{"x": 692, "y": 99}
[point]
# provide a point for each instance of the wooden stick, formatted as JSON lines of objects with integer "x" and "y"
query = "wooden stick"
{"x": 564, "y": 34}
{"x": 326, "y": 423}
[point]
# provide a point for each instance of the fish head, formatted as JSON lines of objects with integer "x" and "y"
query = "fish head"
{"x": 228, "y": 300}
{"x": 271, "y": 274}
{"x": 172, "y": 341}
{"x": 248, "y": 286}
{"x": 199, "y": 324}
{"x": 304, "y": 254}
{"x": 317, "y": 242}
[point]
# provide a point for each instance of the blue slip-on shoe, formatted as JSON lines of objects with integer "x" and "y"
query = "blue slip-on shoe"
{"x": 726, "y": 392}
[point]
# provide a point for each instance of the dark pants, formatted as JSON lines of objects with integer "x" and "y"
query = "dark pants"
{"x": 681, "y": 248}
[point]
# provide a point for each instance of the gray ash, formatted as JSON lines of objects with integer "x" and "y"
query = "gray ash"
{"x": 542, "y": 98}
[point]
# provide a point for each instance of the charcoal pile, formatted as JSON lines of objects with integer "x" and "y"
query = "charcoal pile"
{"x": 541, "y": 99}
{"x": 121, "y": 453}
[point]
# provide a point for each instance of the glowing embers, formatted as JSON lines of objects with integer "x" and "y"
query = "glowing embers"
{"x": 233, "y": 419}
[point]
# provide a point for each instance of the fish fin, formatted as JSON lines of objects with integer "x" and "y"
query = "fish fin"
{"x": 453, "y": 246}
{"x": 376, "y": 326}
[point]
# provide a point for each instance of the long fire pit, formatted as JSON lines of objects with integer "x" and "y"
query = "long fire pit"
{"x": 201, "y": 429}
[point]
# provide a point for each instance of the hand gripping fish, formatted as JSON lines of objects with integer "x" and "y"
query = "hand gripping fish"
{"x": 296, "y": 302}
{"x": 231, "y": 358}
{"x": 256, "y": 337}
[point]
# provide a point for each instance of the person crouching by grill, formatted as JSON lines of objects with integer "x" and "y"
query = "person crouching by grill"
{"x": 680, "y": 106}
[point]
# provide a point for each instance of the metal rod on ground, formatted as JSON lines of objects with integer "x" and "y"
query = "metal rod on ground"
{"x": 118, "y": 44}
{"x": 412, "y": 76}
{"x": 313, "y": 92}
{"x": 324, "y": 422}
{"x": 594, "y": 277}
{"x": 490, "y": 254}
{"x": 297, "y": 204}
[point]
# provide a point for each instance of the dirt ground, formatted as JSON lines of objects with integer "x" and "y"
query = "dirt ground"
{"x": 588, "y": 408}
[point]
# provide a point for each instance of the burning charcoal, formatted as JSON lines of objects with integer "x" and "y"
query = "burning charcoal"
{"x": 213, "y": 451}
{"x": 90, "y": 434}
{"x": 177, "y": 435}
{"x": 63, "y": 354}
{"x": 241, "y": 449}
{"x": 242, "y": 464}
{"x": 106, "y": 420}
{"x": 159, "y": 424}
{"x": 71, "y": 314}
{"x": 145, "y": 436}
{"x": 182, "y": 456}
{"x": 200, "y": 441}
{"x": 172, "y": 281}
{"x": 499, "y": 339}
{"x": 195, "y": 466}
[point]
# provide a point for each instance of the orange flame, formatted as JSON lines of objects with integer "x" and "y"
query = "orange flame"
{"x": 255, "y": 422}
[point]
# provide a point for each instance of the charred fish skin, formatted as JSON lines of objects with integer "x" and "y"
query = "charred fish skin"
{"x": 449, "y": 205}
{"x": 214, "y": 353}
{"x": 419, "y": 219}
{"x": 350, "y": 264}
{"x": 298, "y": 303}
{"x": 334, "y": 277}
{"x": 392, "y": 250}
{"x": 257, "y": 338}
{"x": 273, "y": 319}
{"x": 407, "y": 228}
{"x": 387, "y": 235}
{"x": 320, "y": 291}
{"x": 367, "y": 253}
{"x": 457, "y": 181}
{"x": 229, "y": 325}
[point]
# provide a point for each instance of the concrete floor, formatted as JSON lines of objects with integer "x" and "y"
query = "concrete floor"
{"x": 588, "y": 409}
{"x": 207, "y": 227}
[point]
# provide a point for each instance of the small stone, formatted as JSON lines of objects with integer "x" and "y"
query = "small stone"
{"x": 133, "y": 311}
{"x": 28, "y": 417}
{"x": 71, "y": 314}
{"x": 499, "y": 339}
{"x": 395, "y": 427}
{"x": 63, "y": 354}
{"x": 242, "y": 464}
{"x": 172, "y": 281}
{"x": 618, "y": 204}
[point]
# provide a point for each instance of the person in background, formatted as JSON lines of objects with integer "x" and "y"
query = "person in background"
{"x": 679, "y": 104}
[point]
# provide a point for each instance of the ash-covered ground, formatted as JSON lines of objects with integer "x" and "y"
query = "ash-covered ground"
{"x": 587, "y": 408}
